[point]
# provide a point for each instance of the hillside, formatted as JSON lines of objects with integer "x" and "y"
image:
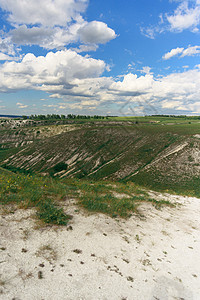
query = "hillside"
{"x": 75, "y": 211}
{"x": 158, "y": 155}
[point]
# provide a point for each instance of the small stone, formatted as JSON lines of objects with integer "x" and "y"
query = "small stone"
{"x": 78, "y": 251}
{"x": 129, "y": 278}
{"x": 69, "y": 228}
{"x": 24, "y": 250}
{"x": 41, "y": 265}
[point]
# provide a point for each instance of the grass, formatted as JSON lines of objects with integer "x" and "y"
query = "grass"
{"x": 171, "y": 184}
{"x": 112, "y": 198}
{"x": 34, "y": 191}
{"x": 44, "y": 193}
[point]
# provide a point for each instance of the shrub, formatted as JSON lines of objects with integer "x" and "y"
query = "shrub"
{"x": 60, "y": 167}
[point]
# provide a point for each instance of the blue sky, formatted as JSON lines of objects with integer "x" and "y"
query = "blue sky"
{"x": 115, "y": 57}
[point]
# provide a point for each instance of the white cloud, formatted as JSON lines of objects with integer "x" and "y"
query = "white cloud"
{"x": 86, "y": 48}
{"x": 21, "y": 105}
{"x": 190, "y": 51}
{"x": 96, "y": 33}
{"x": 6, "y": 46}
{"x": 23, "y": 35}
{"x": 46, "y": 12}
{"x": 55, "y": 71}
{"x": 50, "y": 105}
{"x": 4, "y": 56}
{"x": 132, "y": 85}
{"x": 76, "y": 79}
{"x": 58, "y": 37}
{"x": 46, "y": 37}
{"x": 172, "y": 53}
{"x": 151, "y": 31}
{"x": 171, "y": 104}
{"x": 185, "y": 17}
{"x": 53, "y": 24}
{"x": 146, "y": 70}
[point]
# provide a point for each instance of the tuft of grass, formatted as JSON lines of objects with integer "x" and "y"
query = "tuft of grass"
{"x": 107, "y": 204}
{"x": 50, "y": 213}
{"x": 34, "y": 191}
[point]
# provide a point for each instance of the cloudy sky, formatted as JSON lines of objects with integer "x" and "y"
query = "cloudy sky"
{"x": 109, "y": 57}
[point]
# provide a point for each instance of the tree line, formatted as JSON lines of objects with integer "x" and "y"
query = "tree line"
{"x": 61, "y": 117}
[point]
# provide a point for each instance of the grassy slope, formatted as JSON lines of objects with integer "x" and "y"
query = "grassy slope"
{"x": 117, "y": 151}
{"x": 46, "y": 195}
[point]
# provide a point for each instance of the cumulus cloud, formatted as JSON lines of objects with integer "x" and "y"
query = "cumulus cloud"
{"x": 52, "y": 72}
{"x": 190, "y": 51}
{"x": 132, "y": 85}
{"x": 76, "y": 79}
{"x": 49, "y": 38}
{"x": 47, "y": 13}
{"x": 23, "y": 35}
{"x": 96, "y": 33}
{"x": 53, "y": 24}
{"x": 90, "y": 34}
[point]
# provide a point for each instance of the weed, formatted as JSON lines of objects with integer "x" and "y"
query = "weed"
{"x": 49, "y": 213}
{"x": 137, "y": 238}
{"x": 34, "y": 191}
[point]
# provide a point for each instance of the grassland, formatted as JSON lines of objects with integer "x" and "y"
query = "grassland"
{"x": 107, "y": 163}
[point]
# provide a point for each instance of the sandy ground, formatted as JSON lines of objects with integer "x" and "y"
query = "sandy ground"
{"x": 96, "y": 257}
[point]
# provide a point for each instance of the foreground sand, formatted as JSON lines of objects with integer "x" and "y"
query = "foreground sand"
{"x": 96, "y": 257}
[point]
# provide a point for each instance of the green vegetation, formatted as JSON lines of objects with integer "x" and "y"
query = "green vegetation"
{"x": 61, "y": 166}
{"x": 62, "y": 117}
{"x": 34, "y": 191}
{"x": 46, "y": 195}
{"x": 170, "y": 183}
{"x": 108, "y": 161}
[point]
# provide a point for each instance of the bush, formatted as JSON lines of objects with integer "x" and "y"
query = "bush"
{"x": 60, "y": 167}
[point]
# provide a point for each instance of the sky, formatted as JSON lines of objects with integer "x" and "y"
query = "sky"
{"x": 108, "y": 57}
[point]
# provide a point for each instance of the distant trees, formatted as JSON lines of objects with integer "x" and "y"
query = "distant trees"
{"x": 177, "y": 116}
{"x": 63, "y": 117}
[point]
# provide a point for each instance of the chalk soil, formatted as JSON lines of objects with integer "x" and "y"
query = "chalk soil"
{"x": 154, "y": 256}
